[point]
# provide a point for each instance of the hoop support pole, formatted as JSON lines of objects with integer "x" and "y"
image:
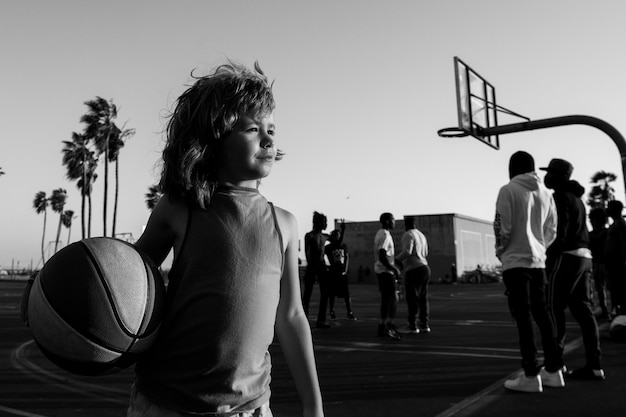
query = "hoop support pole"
{"x": 607, "y": 128}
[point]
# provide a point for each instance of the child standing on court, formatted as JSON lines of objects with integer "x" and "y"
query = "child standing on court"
{"x": 234, "y": 279}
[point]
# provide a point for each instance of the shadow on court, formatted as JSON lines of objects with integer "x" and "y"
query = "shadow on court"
{"x": 456, "y": 370}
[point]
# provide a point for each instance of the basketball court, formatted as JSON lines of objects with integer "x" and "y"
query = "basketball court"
{"x": 457, "y": 370}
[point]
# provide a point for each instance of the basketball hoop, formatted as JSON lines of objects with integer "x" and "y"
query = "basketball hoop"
{"x": 452, "y": 132}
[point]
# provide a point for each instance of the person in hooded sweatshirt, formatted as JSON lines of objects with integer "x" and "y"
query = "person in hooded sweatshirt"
{"x": 569, "y": 267}
{"x": 525, "y": 225}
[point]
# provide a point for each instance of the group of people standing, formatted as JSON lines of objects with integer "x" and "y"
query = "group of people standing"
{"x": 544, "y": 246}
{"x": 332, "y": 276}
{"x": 415, "y": 274}
{"x": 328, "y": 260}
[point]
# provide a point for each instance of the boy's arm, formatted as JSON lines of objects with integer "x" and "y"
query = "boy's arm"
{"x": 167, "y": 221}
{"x": 292, "y": 326}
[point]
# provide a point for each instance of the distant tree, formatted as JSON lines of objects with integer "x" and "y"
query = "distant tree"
{"x": 40, "y": 204}
{"x": 66, "y": 219}
{"x": 602, "y": 192}
{"x": 101, "y": 129}
{"x": 115, "y": 146}
{"x": 57, "y": 202}
{"x": 81, "y": 163}
{"x": 153, "y": 196}
{"x": 1, "y": 172}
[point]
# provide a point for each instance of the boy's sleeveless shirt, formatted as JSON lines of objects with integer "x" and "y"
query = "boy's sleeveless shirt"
{"x": 211, "y": 354}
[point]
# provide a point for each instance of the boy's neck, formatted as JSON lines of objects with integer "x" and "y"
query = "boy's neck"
{"x": 240, "y": 184}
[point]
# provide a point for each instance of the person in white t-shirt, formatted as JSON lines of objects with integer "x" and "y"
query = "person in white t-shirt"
{"x": 416, "y": 274}
{"x": 387, "y": 274}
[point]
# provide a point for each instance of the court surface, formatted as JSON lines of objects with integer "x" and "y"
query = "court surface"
{"x": 456, "y": 370}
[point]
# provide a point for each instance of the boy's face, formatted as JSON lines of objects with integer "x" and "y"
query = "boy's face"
{"x": 249, "y": 151}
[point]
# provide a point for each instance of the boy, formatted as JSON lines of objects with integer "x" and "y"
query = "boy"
{"x": 234, "y": 279}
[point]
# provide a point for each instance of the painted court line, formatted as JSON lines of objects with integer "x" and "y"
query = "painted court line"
{"x": 412, "y": 350}
{"x": 20, "y": 361}
{"x": 471, "y": 405}
{"x": 14, "y": 412}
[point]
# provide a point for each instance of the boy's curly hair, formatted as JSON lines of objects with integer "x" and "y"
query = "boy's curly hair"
{"x": 204, "y": 116}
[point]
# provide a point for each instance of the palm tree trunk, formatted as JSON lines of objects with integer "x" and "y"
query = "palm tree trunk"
{"x": 117, "y": 192}
{"x": 106, "y": 184}
{"x": 43, "y": 239}
{"x": 69, "y": 232}
{"x": 56, "y": 242}
{"x": 89, "y": 222}
{"x": 82, "y": 212}
{"x": 82, "y": 193}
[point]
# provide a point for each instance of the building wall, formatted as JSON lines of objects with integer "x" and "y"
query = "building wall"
{"x": 452, "y": 239}
{"x": 475, "y": 244}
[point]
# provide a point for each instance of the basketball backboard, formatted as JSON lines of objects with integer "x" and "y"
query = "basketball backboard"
{"x": 476, "y": 103}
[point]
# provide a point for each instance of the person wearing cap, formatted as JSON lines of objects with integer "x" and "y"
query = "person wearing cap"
{"x": 525, "y": 225}
{"x": 569, "y": 264}
{"x": 615, "y": 257}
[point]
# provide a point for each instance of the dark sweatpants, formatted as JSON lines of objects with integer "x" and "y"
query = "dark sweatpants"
{"x": 311, "y": 274}
{"x": 526, "y": 292}
{"x": 416, "y": 293}
{"x": 568, "y": 280}
{"x": 388, "y": 300}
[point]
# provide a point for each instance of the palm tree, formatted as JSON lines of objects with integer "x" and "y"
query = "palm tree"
{"x": 602, "y": 192}
{"x": 115, "y": 146}
{"x": 101, "y": 129}
{"x": 40, "y": 204}
{"x": 153, "y": 196}
{"x": 57, "y": 202}
{"x": 81, "y": 164}
{"x": 66, "y": 219}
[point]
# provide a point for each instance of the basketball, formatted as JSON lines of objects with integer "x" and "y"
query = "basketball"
{"x": 96, "y": 305}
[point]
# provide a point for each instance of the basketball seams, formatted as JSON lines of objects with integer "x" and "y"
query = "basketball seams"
{"x": 103, "y": 295}
{"x": 149, "y": 308}
{"x": 107, "y": 290}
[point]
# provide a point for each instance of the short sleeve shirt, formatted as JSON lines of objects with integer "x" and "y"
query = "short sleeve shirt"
{"x": 383, "y": 240}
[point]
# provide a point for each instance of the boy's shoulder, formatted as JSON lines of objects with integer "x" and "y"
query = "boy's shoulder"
{"x": 169, "y": 206}
{"x": 283, "y": 213}
{"x": 171, "y": 211}
{"x": 286, "y": 221}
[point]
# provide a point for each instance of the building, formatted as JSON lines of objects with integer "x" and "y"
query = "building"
{"x": 457, "y": 244}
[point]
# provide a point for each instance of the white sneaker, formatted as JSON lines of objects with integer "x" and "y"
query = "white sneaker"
{"x": 552, "y": 379}
{"x": 524, "y": 383}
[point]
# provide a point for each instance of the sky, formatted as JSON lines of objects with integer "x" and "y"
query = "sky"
{"x": 361, "y": 88}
